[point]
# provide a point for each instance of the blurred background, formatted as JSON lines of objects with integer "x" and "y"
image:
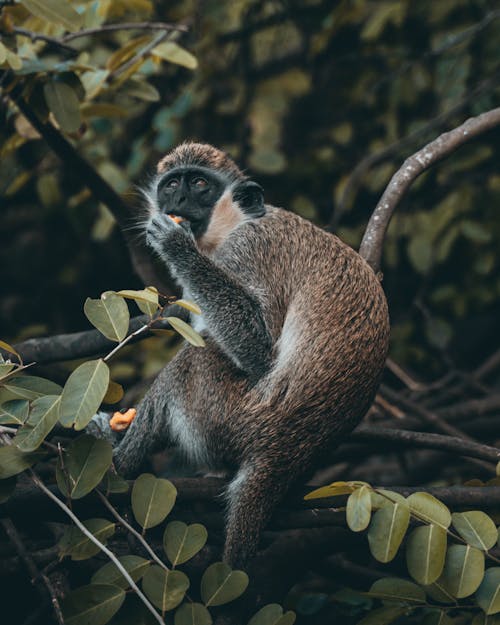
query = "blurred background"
{"x": 320, "y": 102}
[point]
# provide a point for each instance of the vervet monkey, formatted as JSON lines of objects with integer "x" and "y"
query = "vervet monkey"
{"x": 296, "y": 329}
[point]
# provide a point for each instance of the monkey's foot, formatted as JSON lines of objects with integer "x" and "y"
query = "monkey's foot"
{"x": 100, "y": 428}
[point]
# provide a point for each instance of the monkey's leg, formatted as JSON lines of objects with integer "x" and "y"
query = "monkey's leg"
{"x": 147, "y": 433}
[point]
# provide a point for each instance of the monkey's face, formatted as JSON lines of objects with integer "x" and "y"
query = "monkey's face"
{"x": 190, "y": 193}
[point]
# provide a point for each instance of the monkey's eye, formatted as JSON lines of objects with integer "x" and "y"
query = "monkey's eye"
{"x": 172, "y": 184}
{"x": 199, "y": 183}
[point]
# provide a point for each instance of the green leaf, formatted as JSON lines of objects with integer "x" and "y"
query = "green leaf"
{"x": 63, "y": 103}
{"x": 14, "y": 412}
{"x": 43, "y": 417}
{"x": 437, "y": 617}
{"x": 220, "y": 584}
{"x": 192, "y": 614}
{"x": 439, "y": 593}
{"x": 387, "y": 530}
{"x": 173, "y": 52}
{"x": 165, "y": 589}
{"x": 426, "y": 552}
{"x": 397, "y": 590}
{"x": 359, "y": 509}
{"x": 7, "y": 346}
{"x": 114, "y": 393}
{"x": 488, "y": 593}
{"x": 331, "y": 490}
{"x": 476, "y": 528}
{"x": 109, "y": 315}
{"x": 27, "y": 387}
{"x": 152, "y": 499}
{"x": 272, "y": 614}
{"x": 76, "y": 544}
{"x": 382, "y": 497}
{"x": 144, "y": 295}
{"x": 14, "y": 461}
{"x": 86, "y": 460}
{"x": 429, "y": 509}
{"x": 181, "y": 542}
{"x": 55, "y": 11}
{"x": 5, "y": 369}
{"x": 83, "y": 393}
{"x": 113, "y": 483}
{"x": 186, "y": 331}
{"x": 383, "y": 616}
{"x": 109, "y": 573}
{"x": 94, "y": 604}
{"x": 188, "y": 305}
{"x": 463, "y": 570}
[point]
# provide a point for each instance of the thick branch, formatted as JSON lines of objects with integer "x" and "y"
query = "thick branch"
{"x": 406, "y": 438}
{"x": 443, "y": 146}
{"x": 60, "y": 347}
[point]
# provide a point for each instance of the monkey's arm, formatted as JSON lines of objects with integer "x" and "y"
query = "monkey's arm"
{"x": 233, "y": 316}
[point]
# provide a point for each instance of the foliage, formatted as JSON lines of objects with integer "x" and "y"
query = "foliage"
{"x": 299, "y": 94}
{"x": 85, "y": 465}
{"x": 445, "y": 553}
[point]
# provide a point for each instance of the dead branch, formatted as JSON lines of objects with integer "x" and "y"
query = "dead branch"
{"x": 371, "y": 245}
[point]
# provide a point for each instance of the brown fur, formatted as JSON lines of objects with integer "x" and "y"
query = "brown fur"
{"x": 278, "y": 291}
{"x": 201, "y": 154}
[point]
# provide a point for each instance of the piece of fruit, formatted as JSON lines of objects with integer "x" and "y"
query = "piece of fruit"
{"x": 121, "y": 420}
{"x": 176, "y": 218}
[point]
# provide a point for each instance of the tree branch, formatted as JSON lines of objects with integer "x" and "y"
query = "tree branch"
{"x": 73, "y": 345}
{"x": 106, "y": 28}
{"x": 100, "y": 188}
{"x": 407, "y": 438}
{"x": 371, "y": 245}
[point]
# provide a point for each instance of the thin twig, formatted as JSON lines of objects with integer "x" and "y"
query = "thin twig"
{"x": 142, "y": 54}
{"x": 371, "y": 245}
{"x": 106, "y": 28}
{"x": 53, "y": 41}
{"x": 98, "y": 543}
{"x": 132, "y": 530}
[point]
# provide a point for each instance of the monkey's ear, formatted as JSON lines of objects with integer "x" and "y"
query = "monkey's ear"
{"x": 250, "y": 197}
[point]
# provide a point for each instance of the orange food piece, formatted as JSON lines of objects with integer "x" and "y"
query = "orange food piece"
{"x": 176, "y": 218}
{"x": 121, "y": 420}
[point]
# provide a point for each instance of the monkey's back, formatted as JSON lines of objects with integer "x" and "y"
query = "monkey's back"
{"x": 328, "y": 318}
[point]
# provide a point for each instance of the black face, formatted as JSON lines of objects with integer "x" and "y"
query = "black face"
{"x": 191, "y": 193}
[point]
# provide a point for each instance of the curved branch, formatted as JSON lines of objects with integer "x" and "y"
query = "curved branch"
{"x": 369, "y": 162}
{"x": 371, "y": 245}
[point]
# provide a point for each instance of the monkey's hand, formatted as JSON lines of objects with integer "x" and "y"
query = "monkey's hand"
{"x": 166, "y": 237}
